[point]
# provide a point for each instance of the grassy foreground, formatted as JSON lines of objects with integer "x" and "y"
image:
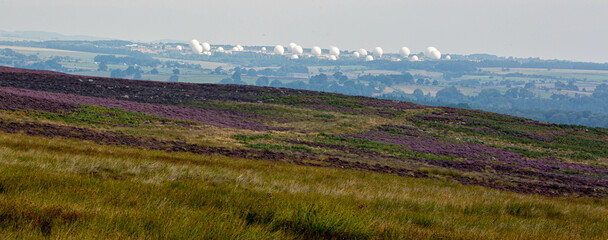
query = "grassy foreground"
{"x": 73, "y": 189}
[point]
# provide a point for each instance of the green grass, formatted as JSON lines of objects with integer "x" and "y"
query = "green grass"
{"x": 59, "y": 188}
{"x": 88, "y": 115}
{"x": 321, "y": 115}
{"x": 271, "y": 147}
{"x": 247, "y": 138}
{"x": 79, "y": 190}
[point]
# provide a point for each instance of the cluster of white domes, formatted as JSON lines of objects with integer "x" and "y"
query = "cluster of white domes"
{"x": 295, "y": 51}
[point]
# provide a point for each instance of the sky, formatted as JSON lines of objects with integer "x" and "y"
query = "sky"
{"x": 548, "y": 29}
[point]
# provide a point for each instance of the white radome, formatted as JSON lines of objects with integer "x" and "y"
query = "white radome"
{"x": 404, "y": 52}
{"x": 294, "y": 56}
{"x": 356, "y": 54}
{"x": 279, "y": 49}
{"x": 378, "y": 52}
{"x": 263, "y": 49}
{"x": 369, "y": 58}
{"x": 362, "y": 51}
{"x": 432, "y": 53}
{"x": 240, "y": 47}
{"x": 179, "y": 48}
{"x": 298, "y": 50}
{"x": 333, "y": 57}
{"x": 316, "y": 51}
{"x": 429, "y": 50}
{"x": 219, "y": 49}
{"x": 414, "y": 58}
{"x": 196, "y": 46}
{"x": 448, "y": 57}
{"x": 334, "y": 51}
{"x": 206, "y": 47}
{"x": 291, "y": 46}
{"x": 436, "y": 55}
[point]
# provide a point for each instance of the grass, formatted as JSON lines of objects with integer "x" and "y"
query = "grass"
{"x": 247, "y": 138}
{"x": 95, "y": 115}
{"x": 73, "y": 189}
{"x": 271, "y": 147}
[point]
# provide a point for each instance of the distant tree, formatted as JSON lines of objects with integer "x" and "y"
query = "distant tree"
{"x": 237, "y": 74}
{"x": 296, "y": 85}
{"x": 559, "y": 85}
{"x": 218, "y": 70}
{"x": 173, "y": 78}
{"x": 419, "y": 94}
{"x": 137, "y": 75}
{"x": 130, "y": 71}
{"x": 154, "y": 71}
{"x": 252, "y": 72}
{"x": 227, "y": 81}
{"x": 8, "y": 52}
{"x": 337, "y": 75}
{"x": 530, "y": 84}
{"x": 267, "y": 72}
{"x": 558, "y": 97}
{"x": 420, "y": 81}
{"x": 489, "y": 93}
{"x": 176, "y": 71}
{"x": 572, "y": 86}
{"x": 102, "y": 67}
{"x": 450, "y": 94}
{"x": 435, "y": 83}
{"x": 512, "y": 93}
{"x": 525, "y": 93}
{"x": 262, "y": 81}
{"x": 276, "y": 83}
{"x": 320, "y": 79}
{"x": 117, "y": 73}
{"x": 601, "y": 91}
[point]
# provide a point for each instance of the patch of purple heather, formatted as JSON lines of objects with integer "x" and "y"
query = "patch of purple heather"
{"x": 431, "y": 145}
{"x": 334, "y": 109}
{"x": 549, "y": 175}
{"x": 442, "y": 118}
{"x": 312, "y": 100}
{"x": 396, "y": 105}
{"x": 457, "y": 118}
{"x": 9, "y": 101}
{"x": 49, "y": 101}
{"x": 528, "y": 136}
{"x": 417, "y": 142}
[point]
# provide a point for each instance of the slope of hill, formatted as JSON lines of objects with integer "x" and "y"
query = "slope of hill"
{"x": 84, "y": 156}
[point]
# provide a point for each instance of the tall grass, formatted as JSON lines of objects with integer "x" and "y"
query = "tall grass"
{"x": 76, "y": 189}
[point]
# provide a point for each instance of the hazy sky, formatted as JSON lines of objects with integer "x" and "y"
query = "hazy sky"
{"x": 572, "y": 30}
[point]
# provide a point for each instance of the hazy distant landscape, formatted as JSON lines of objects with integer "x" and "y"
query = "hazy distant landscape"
{"x": 545, "y": 90}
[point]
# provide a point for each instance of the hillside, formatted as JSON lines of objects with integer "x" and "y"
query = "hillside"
{"x": 85, "y": 156}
